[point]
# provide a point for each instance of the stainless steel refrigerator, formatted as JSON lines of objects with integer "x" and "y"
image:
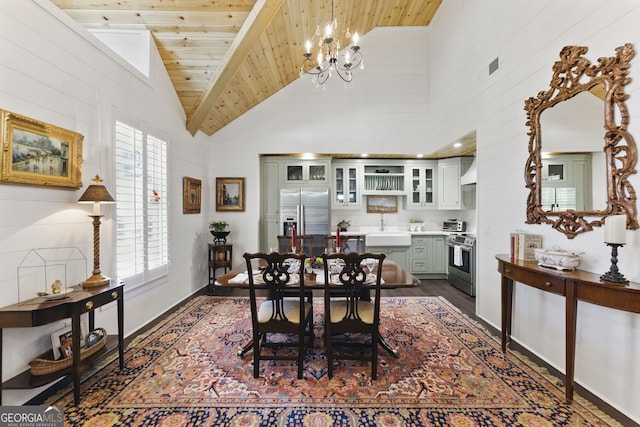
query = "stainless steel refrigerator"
{"x": 308, "y": 210}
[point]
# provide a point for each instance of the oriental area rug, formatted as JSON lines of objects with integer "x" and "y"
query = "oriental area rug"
{"x": 186, "y": 371}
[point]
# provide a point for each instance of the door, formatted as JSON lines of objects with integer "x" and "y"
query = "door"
{"x": 316, "y": 211}
{"x": 315, "y": 203}
{"x": 449, "y": 184}
{"x": 289, "y": 202}
{"x": 346, "y": 186}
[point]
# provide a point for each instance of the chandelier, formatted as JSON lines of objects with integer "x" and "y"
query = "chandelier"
{"x": 329, "y": 59}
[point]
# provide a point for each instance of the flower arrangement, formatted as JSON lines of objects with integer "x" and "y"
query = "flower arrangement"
{"x": 313, "y": 262}
{"x": 156, "y": 197}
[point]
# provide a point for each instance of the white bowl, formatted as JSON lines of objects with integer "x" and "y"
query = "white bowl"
{"x": 558, "y": 259}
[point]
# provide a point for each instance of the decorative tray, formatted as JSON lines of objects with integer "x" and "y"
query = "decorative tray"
{"x": 52, "y": 297}
{"x": 558, "y": 259}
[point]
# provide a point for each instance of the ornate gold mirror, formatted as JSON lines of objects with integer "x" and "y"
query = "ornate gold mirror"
{"x": 575, "y": 182}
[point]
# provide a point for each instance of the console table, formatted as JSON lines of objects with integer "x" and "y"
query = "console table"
{"x": 574, "y": 286}
{"x": 38, "y": 311}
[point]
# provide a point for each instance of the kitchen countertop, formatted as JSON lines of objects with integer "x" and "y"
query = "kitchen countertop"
{"x": 413, "y": 233}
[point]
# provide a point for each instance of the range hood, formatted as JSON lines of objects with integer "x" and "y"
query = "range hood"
{"x": 470, "y": 176}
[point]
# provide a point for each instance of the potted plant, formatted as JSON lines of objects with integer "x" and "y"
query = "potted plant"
{"x": 219, "y": 230}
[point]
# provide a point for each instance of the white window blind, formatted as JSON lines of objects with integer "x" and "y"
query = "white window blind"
{"x": 141, "y": 187}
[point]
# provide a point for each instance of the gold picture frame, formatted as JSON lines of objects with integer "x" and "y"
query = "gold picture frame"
{"x": 191, "y": 195}
{"x": 382, "y": 204}
{"x": 230, "y": 194}
{"x": 61, "y": 339}
{"x": 38, "y": 153}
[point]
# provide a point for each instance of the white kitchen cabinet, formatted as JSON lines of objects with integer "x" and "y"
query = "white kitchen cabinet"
{"x": 306, "y": 172}
{"x": 429, "y": 256}
{"x": 384, "y": 178}
{"x": 449, "y": 189}
{"x": 347, "y": 183}
{"x": 420, "y": 185}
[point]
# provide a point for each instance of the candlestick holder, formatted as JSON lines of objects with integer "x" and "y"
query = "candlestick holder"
{"x": 613, "y": 275}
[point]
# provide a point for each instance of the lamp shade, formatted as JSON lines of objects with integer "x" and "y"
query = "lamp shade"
{"x": 96, "y": 193}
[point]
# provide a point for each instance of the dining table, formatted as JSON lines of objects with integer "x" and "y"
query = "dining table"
{"x": 394, "y": 276}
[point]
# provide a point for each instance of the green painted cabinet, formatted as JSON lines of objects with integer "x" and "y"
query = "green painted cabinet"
{"x": 429, "y": 256}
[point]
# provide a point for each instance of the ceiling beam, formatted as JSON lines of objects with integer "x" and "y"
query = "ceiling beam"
{"x": 258, "y": 19}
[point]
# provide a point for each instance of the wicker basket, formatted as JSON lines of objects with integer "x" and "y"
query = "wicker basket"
{"x": 41, "y": 366}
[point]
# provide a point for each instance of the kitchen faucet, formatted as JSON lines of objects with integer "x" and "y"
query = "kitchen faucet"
{"x": 381, "y": 222}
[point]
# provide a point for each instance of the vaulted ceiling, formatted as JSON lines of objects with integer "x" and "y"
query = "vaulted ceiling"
{"x": 225, "y": 57}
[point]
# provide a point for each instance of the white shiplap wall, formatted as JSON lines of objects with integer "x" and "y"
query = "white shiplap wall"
{"x": 53, "y": 71}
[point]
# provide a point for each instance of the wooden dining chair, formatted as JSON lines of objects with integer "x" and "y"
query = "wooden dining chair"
{"x": 279, "y": 313}
{"x": 304, "y": 244}
{"x": 347, "y": 244}
{"x": 348, "y": 312}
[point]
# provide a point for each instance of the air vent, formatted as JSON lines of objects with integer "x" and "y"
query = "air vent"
{"x": 493, "y": 66}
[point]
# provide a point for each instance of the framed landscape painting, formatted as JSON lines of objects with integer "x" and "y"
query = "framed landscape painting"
{"x": 191, "y": 195}
{"x": 382, "y": 204}
{"x": 38, "y": 153}
{"x": 230, "y": 194}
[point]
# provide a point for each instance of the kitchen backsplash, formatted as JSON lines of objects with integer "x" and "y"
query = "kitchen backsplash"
{"x": 362, "y": 221}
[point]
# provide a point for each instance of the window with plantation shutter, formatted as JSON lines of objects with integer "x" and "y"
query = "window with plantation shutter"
{"x": 141, "y": 193}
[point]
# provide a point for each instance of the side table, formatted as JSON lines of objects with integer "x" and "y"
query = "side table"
{"x": 39, "y": 312}
{"x": 220, "y": 256}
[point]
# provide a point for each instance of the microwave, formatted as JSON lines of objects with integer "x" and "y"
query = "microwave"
{"x": 454, "y": 226}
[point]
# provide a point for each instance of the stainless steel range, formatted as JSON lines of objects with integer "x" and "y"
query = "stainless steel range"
{"x": 462, "y": 262}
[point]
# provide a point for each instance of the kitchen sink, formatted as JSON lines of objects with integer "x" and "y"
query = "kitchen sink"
{"x": 388, "y": 239}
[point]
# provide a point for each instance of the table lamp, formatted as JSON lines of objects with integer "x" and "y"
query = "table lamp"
{"x": 96, "y": 194}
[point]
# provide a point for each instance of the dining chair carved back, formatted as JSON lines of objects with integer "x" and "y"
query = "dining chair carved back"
{"x": 304, "y": 244}
{"x": 279, "y": 313}
{"x": 350, "y": 311}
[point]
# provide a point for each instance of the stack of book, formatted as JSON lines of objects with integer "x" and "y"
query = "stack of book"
{"x": 523, "y": 246}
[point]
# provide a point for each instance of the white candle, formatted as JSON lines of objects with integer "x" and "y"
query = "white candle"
{"x": 614, "y": 229}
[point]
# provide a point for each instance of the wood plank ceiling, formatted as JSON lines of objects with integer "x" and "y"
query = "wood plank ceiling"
{"x": 225, "y": 57}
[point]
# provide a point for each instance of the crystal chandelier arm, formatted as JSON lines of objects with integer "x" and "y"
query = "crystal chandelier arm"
{"x": 328, "y": 57}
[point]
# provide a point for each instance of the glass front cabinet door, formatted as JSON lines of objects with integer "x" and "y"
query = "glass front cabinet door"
{"x": 306, "y": 172}
{"x": 346, "y": 186}
{"x": 421, "y": 186}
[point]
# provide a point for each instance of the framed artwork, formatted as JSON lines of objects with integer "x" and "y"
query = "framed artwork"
{"x": 382, "y": 204}
{"x": 38, "y": 153}
{"x": 230, "y": 194}
{"x": 191, "y": 195}
{"x": 61, "y": 339}
{"x": 58, "y": 339}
